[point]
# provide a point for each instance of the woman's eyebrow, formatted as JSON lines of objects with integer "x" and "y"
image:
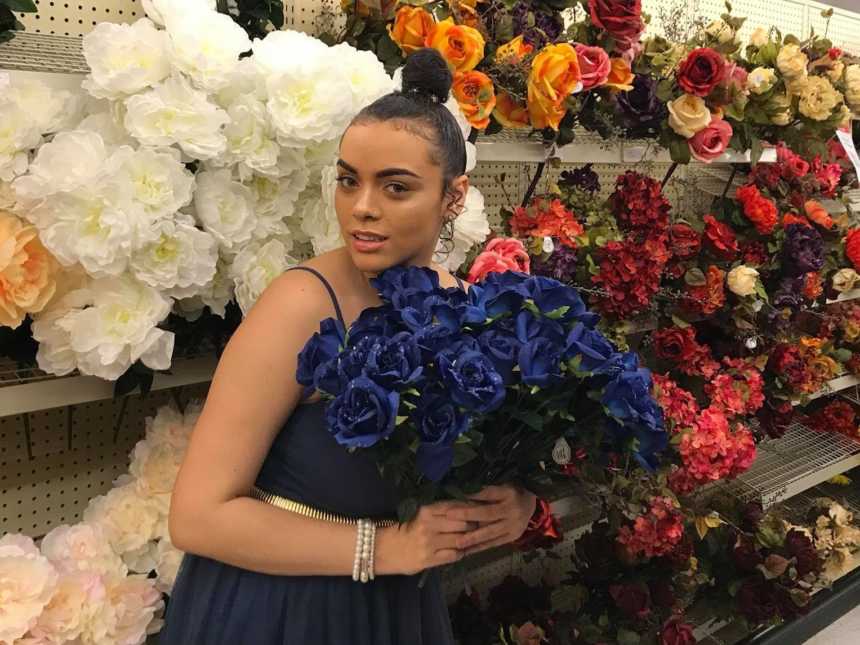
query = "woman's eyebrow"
{"x": 387, "y": 172}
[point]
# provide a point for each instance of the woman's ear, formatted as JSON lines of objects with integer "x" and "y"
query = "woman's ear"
{"x": 456, "y": 196}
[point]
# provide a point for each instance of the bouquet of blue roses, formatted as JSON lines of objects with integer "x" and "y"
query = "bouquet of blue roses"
{"x": 452, "y": 391}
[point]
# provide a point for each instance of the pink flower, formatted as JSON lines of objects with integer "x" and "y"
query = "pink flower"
{"x": 500, "y": 255}
{"x": 594, "y": 65}
{"x": 708, "y": 144}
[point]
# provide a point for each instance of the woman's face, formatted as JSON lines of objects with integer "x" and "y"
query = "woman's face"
{"x": 389, "y": 198}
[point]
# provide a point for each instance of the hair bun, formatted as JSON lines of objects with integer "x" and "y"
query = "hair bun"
{"x": 426, "y": 73}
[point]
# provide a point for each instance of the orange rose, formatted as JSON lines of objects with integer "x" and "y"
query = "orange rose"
{"x": 620, "y": 75}
{"x": 794, "y": 218}
{"x": 818, "y": 214}
{"x": 511, "y": 113}
{"x": 468, "y": 12}
{"x": 462, "y": 47}
{"x": 852, "y": 247}
{"x": 476, "y": 96}
{"x": 812, "y": 287}
{"x": 410, "y": 28}
{"x": 514, "y": 50}
{"x": 554, "y": 76}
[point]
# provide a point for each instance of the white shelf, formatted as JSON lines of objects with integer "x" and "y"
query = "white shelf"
{"x": 836, "y": 385}
{"x": 853, "y": 294}
{"x": 27, "y": 397}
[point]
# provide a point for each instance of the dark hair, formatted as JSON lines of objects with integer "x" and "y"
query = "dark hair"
{"x": 426, "y": 83}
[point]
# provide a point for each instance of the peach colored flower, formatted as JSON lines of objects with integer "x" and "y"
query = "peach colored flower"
{"x": 500, "y": 255}
{"x": 620, "y": 75}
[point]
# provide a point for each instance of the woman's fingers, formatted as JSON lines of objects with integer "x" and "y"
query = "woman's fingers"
{"x": 482, "y": 513}
{"x": 488, "y": 533}
{"x": 447, "y": 556}
{"x": 487, "y": 545}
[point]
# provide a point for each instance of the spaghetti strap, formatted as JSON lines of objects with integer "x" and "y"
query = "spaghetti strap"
{"x": 328, "y": 288}
{"x": 460, "y": 283}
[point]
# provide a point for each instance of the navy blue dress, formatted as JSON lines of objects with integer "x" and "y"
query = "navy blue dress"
{"x": 214, "y": 603}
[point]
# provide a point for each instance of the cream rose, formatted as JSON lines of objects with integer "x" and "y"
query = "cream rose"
{"x": 688, "y": 115}
{"x": 818, "y": 99}
{"x": 835, "y": 71}
{"x": 761, "y": 80}
{"x": 792, "y": 62}
{"x": 27, "y": 583}
{"x": 742, "y": 280}
{"x": 845, "y": 280}
{"x": 720, "y": 31}
{"x": 852, "y": 87}
{"x": 759, "y": 37}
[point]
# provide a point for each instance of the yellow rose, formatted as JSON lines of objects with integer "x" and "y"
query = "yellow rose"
{"x": 792, "y": 62}
{"x": 688, "y": 115}
{"x": 476, "y": 97}
{"x": 845, "y": 279}
{"x": 554, "y": 76}
{"x": 761, "y": 80}
{"x": 780, "y": 105}
{"x": 620, "y": 75}
{"x": 513, "y": 50}
{"x": 410, "y": 29}
{"x": 462, "y": 47}
{"x": 819, "y": 99}
{"x": 720, "y": 31}
{"x": 510, "y": 112}
{"x": 835, "y": 71}
{"x": 823, "y": 367}
{"x": 796, "y": 86}
{"x": 27, "y": 271}
{"x": 759, "y": 37}
{"x": 742, "y": 280}
{"x": 852, "y": 87}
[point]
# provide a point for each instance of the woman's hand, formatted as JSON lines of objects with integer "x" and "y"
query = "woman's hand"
{"x": 429, "y": 540}
{"x": 502, "y": 514}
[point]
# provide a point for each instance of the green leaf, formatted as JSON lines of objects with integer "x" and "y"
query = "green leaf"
{"x": 755, "y": 150}
{"x": 529, "y": 417}
{"x": 463, "y": 454}
{"x": 27, "y": 6}
{"x": 695, "y": 277}
{"x": 680, "y": 322}
{"x": 627, "y": 637}
{"x": 476, "y": 437}
{"x": 679, "y": 150}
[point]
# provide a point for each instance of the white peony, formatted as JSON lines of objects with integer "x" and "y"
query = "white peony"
{"x": 75, "y": 601}
{"x": 142, "y": 559}
{"x": 167, "y": 558}
{"x": 250, "y": 138}
{"x": 180, "y": 259}
{"x": 161, "y": 11}
{"x": 18, "y": 134}
{"x": 153, "y": 180}
{"x": 128, "y": 520}
{"x": 245, "y": 80}
{"x": 318, "y": 215}
{"x": 364, "y": 73}
{"x": 176, "y": 113}
{"x": 128, "y": 613}
{"x": 470, "y": 228}
{"x": 154, "y": 467}
{"x": 256, "y": 266}
{"x": 27, "y": 583}
{"x": 125, "y": 59}
{"x": 281, "y": 50}
{"x": 82, "y": 547}
{"x": 276, "y": 197}
{"x": 106, "y": 124}
{"x": 170, "y": 427}
{"x": 206, "y": 46}
{"x": 71, "y": 160}
{"x": 55, "y": 354}
{"x": 225, "y": 208}
{"x": 82, "y": 227}
{"x": 216, "y": 295}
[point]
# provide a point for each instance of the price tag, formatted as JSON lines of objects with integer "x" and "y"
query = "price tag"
{"x": 848, "y": 144}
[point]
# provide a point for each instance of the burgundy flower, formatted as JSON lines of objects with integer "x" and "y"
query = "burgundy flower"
{"x": 702, "y": 70}
{"x": 756, "y": 601}
{"x": 662, "y": 593}
{"x": 583, "y": 178}
{"x": 775, "y": 417}
{"x": 675, "y": 632}
{"x": 746, "y": 557}
{"x": 802, "y": 251}
{"x": 622, "y": 19}
{"x": 684, "y": 241}
{"x": 632, "y": 599}
{"x": 720, "y": 238}
{"x": 640, "y": 110}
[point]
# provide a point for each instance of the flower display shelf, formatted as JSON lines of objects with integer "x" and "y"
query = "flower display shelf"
{"x": 838, "y": 384}
{"x": 510, "y": 147}
{"x": 794, "y": 463}
{"x": 29, "y": 390}
{"x": 37, "y": 52}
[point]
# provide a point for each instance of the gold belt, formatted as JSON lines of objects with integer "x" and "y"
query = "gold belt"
{"x": 309, "y": 511}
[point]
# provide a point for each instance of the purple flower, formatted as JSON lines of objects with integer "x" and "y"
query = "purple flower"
{"x": 561, "y": 265}
{"x": 640, "y": 110}
{"x": 545, "y": 29}
{"x": 802, "y": 251}
{"x": 583, "y": 178}
{"x": 789, "y": 294}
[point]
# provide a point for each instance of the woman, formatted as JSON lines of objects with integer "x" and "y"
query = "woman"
{"x": 260, "y": 574}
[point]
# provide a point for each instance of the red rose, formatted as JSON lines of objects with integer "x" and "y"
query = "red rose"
{"x": 684, "y": 241}
{"x": 755, "y": 253}
{"x": 720, "y": 238}
{"x": 708, "y": 144}
{"x": 632, "y": 599}
{"x": 675, "y": 344}
{"x": 593, "y": 64}
{"x": 500, "y": 255}
{"x": 677, "y": 633}
{"x": 543, "y": 530}
{"x": 852, "y": 247}
{"x": 621, "y": 18}
{"x": 702, "y": 70}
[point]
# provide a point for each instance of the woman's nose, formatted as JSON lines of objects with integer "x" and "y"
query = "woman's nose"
{"x": 365, "y": 206}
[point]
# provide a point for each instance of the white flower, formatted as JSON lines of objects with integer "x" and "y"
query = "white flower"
{"x": 27, "y": 582}
{"x": 125, "y": 59}
{"x": 255, "y": 267}
{"x": 170, "y": 427}
{"x": 364, "y": 73}
{"x": 845, "y": 280}
{"x": 82, "y": 547}
{"x": 127, "y": 614}
{"x": 82, "y": 227}
{"x": 155, "y": 466}
{"x": 852, "y": 88}
{"x": 215, "y": 295}
{"x": 104, "y": 328}
{"x": 281, "y": 50}
{"x": 180, "y": 259}
{"x": 161, "y": 11}
{"x": 128, "y": 519}
{"x": 225, "y": 208}
{"x": 318, "y": 216}
{"x": 720, "y": 31}
{"x": 167, "y": 558}
{"x": 176, "y": 113}
{"x": 142, "y": 559}
{"x": 159, "y": 183}
{"x": 75, "y": 601}
{"x": 471, "y": 227}
{"x": 277, "y": 196}
{"x": 742, "y": 280}
{"x": 71, "y": 160}
{"x": 761, "y": 80}
{"x": 18, "y": 133}
{"x": 250, "y": 138}
{"x": 245, "y": 80}
{"x": 106, "y": 124}
{"x": 759, "y": 37}
{"x": 206, "y": 46}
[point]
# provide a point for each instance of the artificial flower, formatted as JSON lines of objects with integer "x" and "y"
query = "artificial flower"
{"x": 620, "y": 75}
{"x": 622, "y": 19}
{"x": 688, "y": 114}
{"x": 225, "y": 208}
{"x": 852, "y": 87}
{"x": 818, "y": 99}
{"x": 500, "y": 254}
{"x": 411, "y": 28}
{"x": 514, "y": 50}
{"x": 511, "y": 113}
{"x": 461, "y": 46}
{"x": 256, "y": 266}
{"x": 471, "y": 227}
{"x": 792, "y": 62}
{"x": 711, "y": 142}
{"x": 702, "y": 70}
{"x": 553, "y": 77}
{"x": 594, "y": 65}
{"x": 27, "y": 583}
{"x": 742, "y": 280}
{"x": 475, "y": 94}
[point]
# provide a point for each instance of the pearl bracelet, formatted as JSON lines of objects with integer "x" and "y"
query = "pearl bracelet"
{"x": 365, "y": 545}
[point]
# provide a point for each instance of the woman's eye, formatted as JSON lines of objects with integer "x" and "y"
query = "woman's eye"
{"x": 346, "y": 181}
{"x": 397, "y": 188}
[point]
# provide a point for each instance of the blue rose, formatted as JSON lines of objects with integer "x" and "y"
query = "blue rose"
{"x": 353, "y": 361}
{"x": 503, "y": 349}
{"x": 373, "y": 321}
{"x": 396, "y": 362}
{"x": 596, "y": 353}
{"x": 472, "y": 380}
{"x": 419, "y": 311}
{"x": 435, "y": 338}
{"x": 649, "y": 443}
{"x": 498, "y": 294}
{"x": 319, "y": 353}
{"x": 551, "y": 295}
{"x": 439, "y": 423}
{"x": 530, "y": 327}
{"x": 395, "y": 280}
{"x": 540, "y": 362}
{"x": 628, "y": 399}
{"x": 363, "y": 415}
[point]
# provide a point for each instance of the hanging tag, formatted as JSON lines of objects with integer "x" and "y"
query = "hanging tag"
{"x": 548, "y": 245}
{"x": 848, "y": 143}
{"x": 561, "y": 452}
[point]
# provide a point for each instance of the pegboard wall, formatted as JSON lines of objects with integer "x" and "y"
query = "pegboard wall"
{"x": 78, "y": 18}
